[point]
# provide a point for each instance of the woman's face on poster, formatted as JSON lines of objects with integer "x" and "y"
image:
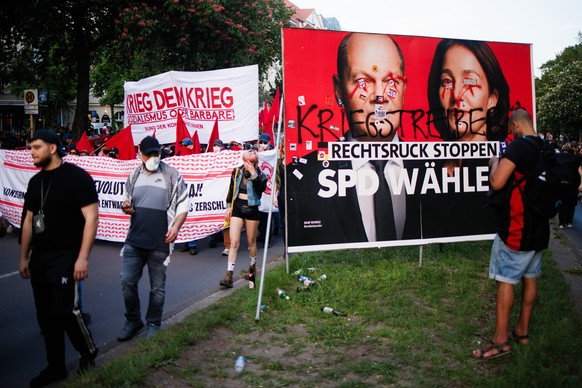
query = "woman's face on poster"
{"x": 465, "y": 95}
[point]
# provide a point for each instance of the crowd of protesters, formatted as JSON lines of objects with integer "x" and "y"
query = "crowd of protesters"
{"x": 48, "y": 149}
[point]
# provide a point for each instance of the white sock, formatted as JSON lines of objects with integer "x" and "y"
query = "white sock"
{"x": 253, "y": 260}
{"x": 230, "y": 266}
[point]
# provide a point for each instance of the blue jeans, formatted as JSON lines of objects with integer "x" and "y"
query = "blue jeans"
{"x": 192, "y": 244}
{"x": 132, "y": 263}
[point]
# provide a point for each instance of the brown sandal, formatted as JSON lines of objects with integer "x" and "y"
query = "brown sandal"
{"x": 518, "y": 338}
{"x": 480, "y": 353}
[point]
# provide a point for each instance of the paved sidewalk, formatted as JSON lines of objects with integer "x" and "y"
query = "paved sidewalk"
{"x": 566, "y": 247}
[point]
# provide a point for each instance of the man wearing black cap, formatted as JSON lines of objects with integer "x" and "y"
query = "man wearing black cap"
{"x": 156, "y": 198}
{"x": 61, "y": 201}
{"x": 265, "y": 142}
{"x": 218, "y": 145}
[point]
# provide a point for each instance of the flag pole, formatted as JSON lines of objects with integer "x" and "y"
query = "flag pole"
{"x": 268, "y": 235}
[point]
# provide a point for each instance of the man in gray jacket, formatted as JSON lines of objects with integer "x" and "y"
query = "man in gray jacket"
{"x": 155, "y": 197}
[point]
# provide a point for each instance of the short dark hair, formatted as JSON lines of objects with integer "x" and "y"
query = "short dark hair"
{"x": 496, "y": 116}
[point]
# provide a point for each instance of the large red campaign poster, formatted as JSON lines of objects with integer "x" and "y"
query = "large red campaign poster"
{"x": 388, "y": 137}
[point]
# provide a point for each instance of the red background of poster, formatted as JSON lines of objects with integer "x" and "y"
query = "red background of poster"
{"x": 310, "y": 62}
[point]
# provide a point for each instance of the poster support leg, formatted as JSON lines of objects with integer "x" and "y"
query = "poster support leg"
{"x": 268, "y": 235}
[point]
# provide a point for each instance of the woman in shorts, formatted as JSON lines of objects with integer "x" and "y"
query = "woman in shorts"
{"x": 247, "y": 184}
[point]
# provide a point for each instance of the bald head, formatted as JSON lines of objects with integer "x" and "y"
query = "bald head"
{"x": 521, "y": 123}
{"x": 370, "y": 73}
{"x": 522, "y": 116}
{"x": 356, "y": 39}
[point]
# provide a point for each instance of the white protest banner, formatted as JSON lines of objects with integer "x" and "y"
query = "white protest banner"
{"x": 267, "y": 164}
{"x": 207, "y": 176}
{"x": 228, "y": 95}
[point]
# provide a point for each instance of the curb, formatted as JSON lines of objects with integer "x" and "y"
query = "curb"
{"x": 116, "y": 349}
{"x": 567, "y": 256}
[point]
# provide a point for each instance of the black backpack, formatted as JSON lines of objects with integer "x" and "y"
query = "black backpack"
{"x": 545, "y": 183}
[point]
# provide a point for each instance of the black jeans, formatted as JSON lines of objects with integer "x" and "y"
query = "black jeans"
{"x": 56, "y": 298}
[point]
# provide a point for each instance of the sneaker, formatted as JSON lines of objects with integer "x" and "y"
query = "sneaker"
{"x": 225, "y": 252}
{"x": 569, "y": 226}
{"x": 562, "y": 226}
{"x": 152, "y": 330}
{"x": 185, "y": 248}
{"x": 129, "y": 331}
{"x": 48, "y": 376}
{"x": 194, "y": 251}
{"x": 86, "y": 363}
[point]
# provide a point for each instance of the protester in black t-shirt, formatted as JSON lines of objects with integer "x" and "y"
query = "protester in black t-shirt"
{"x": 569, "y": 194}
{"x": 58, "y": 230}
{"x": 522, "y": 235}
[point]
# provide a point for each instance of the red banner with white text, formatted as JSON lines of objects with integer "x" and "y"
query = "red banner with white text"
{"x": 207, "y": 176}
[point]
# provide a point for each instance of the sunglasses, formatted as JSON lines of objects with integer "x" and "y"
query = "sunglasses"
{"x": 263, "y": 142}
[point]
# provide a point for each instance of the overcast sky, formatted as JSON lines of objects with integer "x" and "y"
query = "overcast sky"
{"x": 550, "y": 25}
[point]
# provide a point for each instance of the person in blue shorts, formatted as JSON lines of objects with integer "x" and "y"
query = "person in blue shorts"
{"x": 522, "y": 235}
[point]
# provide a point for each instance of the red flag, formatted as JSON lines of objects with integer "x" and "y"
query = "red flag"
{"x": 84, "y": 144}
{"x": 263, "y": 116}
{"x": 213, "y": 136}
{"x": 197, "y": 148}
{"x": 123, "y": 141}
{"x": 273, "y": 115}
{"x": 181, "y": 134}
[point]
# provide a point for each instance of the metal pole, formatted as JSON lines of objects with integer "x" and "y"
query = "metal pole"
{"x": 268, "y": 236}
{"x": 421, "y": 237}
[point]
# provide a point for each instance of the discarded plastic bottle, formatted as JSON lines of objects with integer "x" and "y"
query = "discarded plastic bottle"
{"x": 239, "y": 364}
{"x": 298, "y": 272}
{"x": 304, "y": 278}
{"x": 282, "y": 293}
{"x": 312, "y": 269}
{"x": 331, "y": 310}
{"x": 322, "y": 277}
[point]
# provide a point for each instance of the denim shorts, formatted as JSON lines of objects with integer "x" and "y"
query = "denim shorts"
{"x": 509, "y": 266}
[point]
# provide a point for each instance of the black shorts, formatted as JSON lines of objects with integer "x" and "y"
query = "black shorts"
{"x": 241, "y": 209}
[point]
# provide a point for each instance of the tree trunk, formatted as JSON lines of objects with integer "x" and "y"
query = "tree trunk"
{"x": 113, "y": 122}
{"x": 83, "y": 58}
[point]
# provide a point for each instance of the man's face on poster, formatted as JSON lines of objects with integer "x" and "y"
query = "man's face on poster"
{"x": 371, "y": 87}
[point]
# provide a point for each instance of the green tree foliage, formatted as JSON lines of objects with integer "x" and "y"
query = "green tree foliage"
{"x": 50, "y": 44}
{"x": 559, "y": 93}
{"x": 204, "y": 34}
{"x": 197, "y": 35}
{"x": 68, "y": 46}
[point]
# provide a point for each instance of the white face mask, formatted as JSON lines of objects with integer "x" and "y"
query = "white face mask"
{"x": 217, "y": 149}
{"x": 152, "y": 163}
